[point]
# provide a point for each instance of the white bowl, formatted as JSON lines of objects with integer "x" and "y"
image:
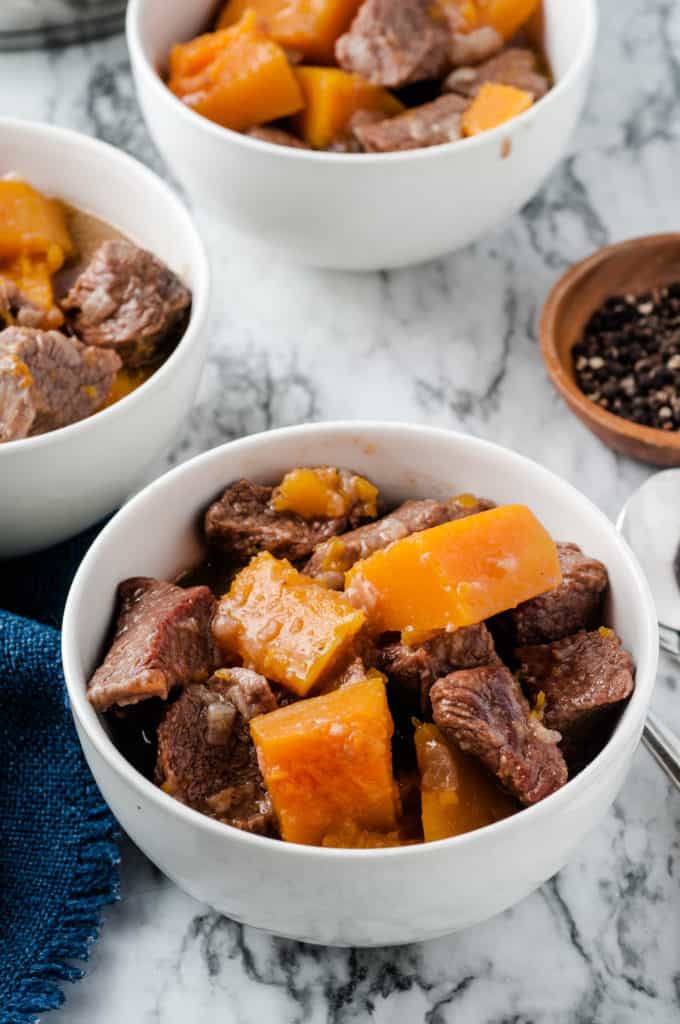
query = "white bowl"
{"x": 352, "y": 897}
{"x": 362, "y": 212}
{"x": 55, "y": 484}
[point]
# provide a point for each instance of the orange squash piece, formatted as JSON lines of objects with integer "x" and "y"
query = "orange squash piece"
{"x": 324, "y": 492}
{"x": 327, "y": 763}
{"x": 285, "y": 625}
{"x": 494, "y": 104}
{"x": 331, "y": 97}
{"x": 506, "y": 16}
{"x": 458, "y": 573}
{"x": 238, "y": 77}
{"x": 457, "y": 794}
{"x": 351, "y": 837}
{"x": 308, "y": 26}
{"x": 32, "y": 225}
{"x": 33, "y": 277}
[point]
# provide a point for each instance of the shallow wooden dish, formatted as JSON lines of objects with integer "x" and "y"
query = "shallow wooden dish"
{"x": 632, "y": 266}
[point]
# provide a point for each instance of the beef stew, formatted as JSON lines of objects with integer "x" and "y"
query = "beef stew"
{"x": 86, "y": 316}
{"x": 363, "y": 76}
{"x": 326, "y": 709}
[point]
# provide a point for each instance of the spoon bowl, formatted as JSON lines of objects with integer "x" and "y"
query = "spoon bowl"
{"x": 650, "y": 523}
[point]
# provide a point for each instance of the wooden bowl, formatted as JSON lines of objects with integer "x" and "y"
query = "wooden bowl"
{"x": 634, "y": 266}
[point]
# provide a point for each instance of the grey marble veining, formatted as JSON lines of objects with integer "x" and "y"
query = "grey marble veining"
{"x": 452, "y": 343}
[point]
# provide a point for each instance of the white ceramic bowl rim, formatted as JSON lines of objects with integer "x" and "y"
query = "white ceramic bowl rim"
{"x": 625, "y": 729}
{"x": 581, "y": 60}
{"x": 200, "y": 287}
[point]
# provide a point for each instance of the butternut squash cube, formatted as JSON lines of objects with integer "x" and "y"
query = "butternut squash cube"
{"x": 457, "y": 574}
{"x": 351, "y": 837}
{"x": 238, "y": 77}
{"x": 457, "y": 793}
{"x": 324, "y": 493}
{"x": 33, "y": 277}
{"x": 33, "y": 225}
{"x": 327, "y": 763}
{"x": 506, "y": 16}
{"x": 285, "y": 625}
{"x": 308, "y": 26}
{"x": 331, "y": 97}
{"x": 494, "y": 104}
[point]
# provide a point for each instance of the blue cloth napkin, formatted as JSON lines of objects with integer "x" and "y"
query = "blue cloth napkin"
{"x": 58, "y": 858}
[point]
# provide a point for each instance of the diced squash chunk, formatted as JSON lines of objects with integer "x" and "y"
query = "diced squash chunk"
{"x": 308, "y": 26}
{"x": 285, "y": 625}
{"x": 127, "y": 380}
{"x": 327, "y": 763}
{"x": 457, "y": 793}
{"x": 458, "y": 573}
{"x": 33, "y": 225}
{"x": 188, "y": 60}
{"x": 33, "y": 277}
{"x": 351, "y": 837}
{"x": 494, "y": 104}
{"x": 331, "y": 97}
{"x": 238, "y": 77}
{"x": 324, "y": 493}
{"x": 506, "y": 16}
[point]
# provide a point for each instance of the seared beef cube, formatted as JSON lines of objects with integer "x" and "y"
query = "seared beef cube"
{"x": 243, "y": 522}
{"x": 332, "y": 559}
{"x": 484, "y": 711}
{"x": 583, "y": 679}
{"x": 392, "y": 42}
{"x": 514, "y": 66}
{"x": 429, "y": 125}
{"x": 277, "y": 136}
{"x": 127, "y": 300}
{"x": 469, "y": 48}
{"x": 206, "y": 757}
{"x": 162, "y": 640}
{"x": 48, "y": 381}
{"x": 415, "y": 669}
{"x": 572, "y": 606}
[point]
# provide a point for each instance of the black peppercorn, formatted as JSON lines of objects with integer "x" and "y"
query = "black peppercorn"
{"x": 628, "y": 360}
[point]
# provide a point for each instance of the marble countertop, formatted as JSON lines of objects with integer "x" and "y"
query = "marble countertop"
{"x": 452, "y": 343}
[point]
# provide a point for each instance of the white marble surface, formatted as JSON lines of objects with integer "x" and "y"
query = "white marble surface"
{"x": 452, "y": 343}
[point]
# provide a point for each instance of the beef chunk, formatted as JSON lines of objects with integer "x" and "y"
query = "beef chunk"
{"x": 469, "y": 48}
{"x": 514, "y": 66}
{"x": 572, "y": 606}
{"x": 428, "y": 125}
{"x": 126, "y": 299}
{"x": 584, "y": 678}
{"x": 48, "y": 381}
{"x": 277, "y": 136}
{"x": 484, "y": 711}
{"x": 162, "y": 640}
{"x": 331, "y": 559}
{"x": 392, "y": 42}
{"x": 415, "y": 669}
{"x": 242, "y": 523}
{"x": 206, "y": 757}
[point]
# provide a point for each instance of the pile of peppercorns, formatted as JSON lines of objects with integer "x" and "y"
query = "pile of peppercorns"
{"x": 628, "y": 361}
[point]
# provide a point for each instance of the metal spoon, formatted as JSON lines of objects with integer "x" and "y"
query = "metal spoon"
{"x": 650, "y": 522}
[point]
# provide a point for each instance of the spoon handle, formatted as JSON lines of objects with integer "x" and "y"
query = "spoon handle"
{"x": 664, "y": 746}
